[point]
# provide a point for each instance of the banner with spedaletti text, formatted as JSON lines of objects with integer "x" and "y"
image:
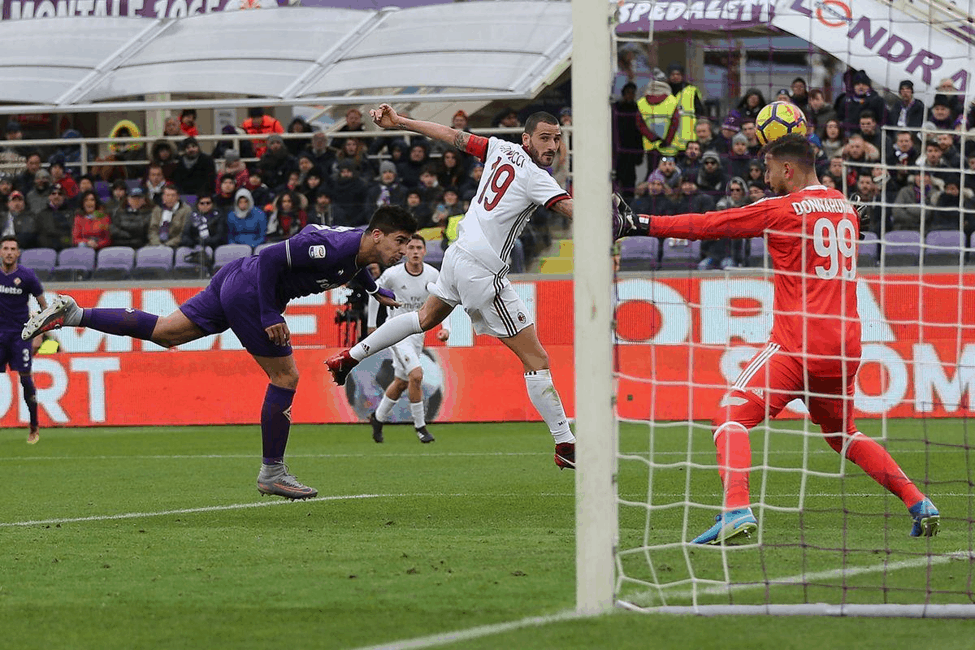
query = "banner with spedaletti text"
{"x": 681, "y": 342}
{"x": 887, "y": 43}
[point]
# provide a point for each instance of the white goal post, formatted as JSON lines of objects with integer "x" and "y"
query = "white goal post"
{"x": 596, "y": 507}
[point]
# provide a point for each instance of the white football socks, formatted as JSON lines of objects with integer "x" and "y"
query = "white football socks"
{"x": 385, "y": 406}
{"x": 547, "y": 402}
{"x": 389, "y": 333}
{"x": 416, "y": 408}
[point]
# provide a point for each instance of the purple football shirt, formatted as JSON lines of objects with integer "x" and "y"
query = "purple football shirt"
{"x": 317, "y": 259}
{"x": 16, "y": 288}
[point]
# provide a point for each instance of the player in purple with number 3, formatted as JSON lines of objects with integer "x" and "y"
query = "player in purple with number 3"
{"x": 17, "y": 285}
{"x": 249, "y": 296}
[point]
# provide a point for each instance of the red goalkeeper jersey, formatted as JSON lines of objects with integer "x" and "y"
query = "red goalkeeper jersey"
{"x": 812, "y": 239}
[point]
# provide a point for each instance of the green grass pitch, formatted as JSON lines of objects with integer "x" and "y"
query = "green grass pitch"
{"x": 157, "y": 538}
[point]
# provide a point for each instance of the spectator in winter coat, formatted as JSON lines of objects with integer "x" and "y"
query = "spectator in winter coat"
{"x": 410, "y": 169}
{"x": 56, "y": 221}
{"x": 287, "y": 219}
{"x": 387, "y": 191}
{"x": 195, "y": 171}
{"x": 297, "y": 145}
{"x": 246, "y": 224}
{"x": 207, "y": 226}
{"x": 91, "y": 224}
{"x": 130, "y": 222}
{"x": 37, "y": 197}
{"x": 349, "y": 193}
{"x": 163, "y": 153}
{"x": 909, "y": 111}
{"x": 276, "y": 164}
{"x": 726, "y": 253}
{"x": 233, "y": 165}
{"x": 223, "y": 200}
{"x": 168, "y": 220}
{"x": 711, "y": 180}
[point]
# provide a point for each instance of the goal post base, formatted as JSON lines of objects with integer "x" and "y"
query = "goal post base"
{"x": 814, "y": 609}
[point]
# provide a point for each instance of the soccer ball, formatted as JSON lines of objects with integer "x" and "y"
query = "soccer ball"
{"x": 778, "y": 119}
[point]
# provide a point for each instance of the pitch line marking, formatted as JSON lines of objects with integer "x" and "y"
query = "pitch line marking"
{"x": 186, "y": 511}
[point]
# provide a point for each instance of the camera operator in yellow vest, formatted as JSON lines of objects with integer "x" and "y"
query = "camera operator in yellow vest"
{"x": 658, "y": 122}
{"x": 689, "y": 105}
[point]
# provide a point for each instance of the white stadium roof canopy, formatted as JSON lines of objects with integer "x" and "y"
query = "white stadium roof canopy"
{"x": 287, "y": 56}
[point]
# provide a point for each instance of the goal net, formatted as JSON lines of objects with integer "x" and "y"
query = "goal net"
{"x": 829, "y": 539}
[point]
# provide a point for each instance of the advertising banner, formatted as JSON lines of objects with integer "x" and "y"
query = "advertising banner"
{"x": 680, "y": 343}
{"x": 693, "y": 15}
{"x": 885, "y": 42}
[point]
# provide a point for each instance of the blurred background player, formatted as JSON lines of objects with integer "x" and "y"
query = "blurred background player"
{"x": 409, "y": 281}
{"x": 249, "y": 296}
{"x": 813, "y": 353}
{"x": 474, "y": 272}
{"x": 17, "y": 285}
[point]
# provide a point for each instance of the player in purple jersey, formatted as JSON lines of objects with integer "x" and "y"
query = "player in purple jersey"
{"x": 17, "y": 285}
{"x": 249, "y": 296}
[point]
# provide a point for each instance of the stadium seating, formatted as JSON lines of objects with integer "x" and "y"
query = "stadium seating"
{"x": 228, "y": 253}
{"x": 902, "y": 248}
{"x": 192, "y": 265}
{"x": 114, "y": 263}
{"x": 868, "y": 251}
{"x": 103, "y": 190}
{"x": 756, "y": 254}
{"x": 153, "y": 263}
{"x": 133, "y": 183}
{"x": 434, "y": 256}
{"x": 260, "y": 247}
{"x": 680, "y": 254}
{"x": 40, "y": 260}
{"x": 190, "y": 200}
{"x": 638, "y": 253}
{"x": 74, "y": 264}
{"x": 944, "y": 248}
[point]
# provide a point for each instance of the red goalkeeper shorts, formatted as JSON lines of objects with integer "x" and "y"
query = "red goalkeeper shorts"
{"x": 774, "y": 378}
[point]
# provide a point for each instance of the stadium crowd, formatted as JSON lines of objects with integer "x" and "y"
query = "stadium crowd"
{"x": 911, "y": 163}
{"x": 896, "y": 157}
{"x": 253, "y": 192}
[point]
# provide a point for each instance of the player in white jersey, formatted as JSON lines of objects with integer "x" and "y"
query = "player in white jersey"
{"x": 411, "y": 282}
{"x": 474, "y": 270}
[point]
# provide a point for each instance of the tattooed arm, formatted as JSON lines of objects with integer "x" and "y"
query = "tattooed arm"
{"x": 386, "y": 117}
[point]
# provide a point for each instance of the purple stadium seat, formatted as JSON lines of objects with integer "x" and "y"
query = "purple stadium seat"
{"x": 638, "y": 253}
{"x": 868, "y": 253}
{"x": 192, "y": 264}
{"x": 260, "y": 247}
{"x": 680, "y": 254}
{"x": 103, "y": 190}
{"x": 133, "y": 183}
{"x": 902, "y": 248}
{"x": 189, "y": 199}
{"x": 944, "y": 248}
{"x": 153, "y": 262}
{"x": 756, "y": 255}
{"x": 114, "y": 263}
{"x": 74, "y": 264}
{"x": 434, "y": 256}
{"x": 228, "y": 253}
{"x": 40, "y": 260}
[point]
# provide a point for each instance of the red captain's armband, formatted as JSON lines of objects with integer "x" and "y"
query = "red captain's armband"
{"x": 477, "y": 147}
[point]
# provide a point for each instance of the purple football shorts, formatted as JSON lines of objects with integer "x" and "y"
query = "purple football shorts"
{"x": 230, "y": 300}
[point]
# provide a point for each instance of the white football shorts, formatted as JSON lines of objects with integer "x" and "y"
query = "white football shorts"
{"x": 406, "y": 356}
{"x": 487, "y": 297}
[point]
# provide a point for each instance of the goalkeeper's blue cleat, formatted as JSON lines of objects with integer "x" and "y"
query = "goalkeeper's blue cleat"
{"x": 927, "y": 519}
{"x": 728, "y": 526}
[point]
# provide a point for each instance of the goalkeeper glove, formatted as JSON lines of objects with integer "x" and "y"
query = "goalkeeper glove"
{"x": 863, "y": 213}
{"x": 626, "y": 223}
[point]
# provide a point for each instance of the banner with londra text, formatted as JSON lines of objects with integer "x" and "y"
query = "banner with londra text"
{"x": 681, "y": 342}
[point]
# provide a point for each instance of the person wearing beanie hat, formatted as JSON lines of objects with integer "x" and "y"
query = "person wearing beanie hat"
{"x": 187, "y": 122}
{"x": 654, "y": 201}
{"x": 257, "y": 123}
{"x": 388, "y": 190}
{"x": 940, "y": 113}
{"x": 195, "y": 172}
{"x": 908, "y": 112}
{"x": 277, "y": 163}
{"x": 858, "y": 98}
{"x": 658, "y": 121}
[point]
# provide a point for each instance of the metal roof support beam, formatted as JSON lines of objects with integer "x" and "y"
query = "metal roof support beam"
{"x": 557, "y": 52}
{"x": 115, "y": 60}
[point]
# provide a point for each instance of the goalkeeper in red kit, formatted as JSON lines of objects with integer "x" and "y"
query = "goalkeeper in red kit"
{"x": 813, "y": 352}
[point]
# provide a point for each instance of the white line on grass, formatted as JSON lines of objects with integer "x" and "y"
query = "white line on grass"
{"x": 444, "y": 638}
{"x": 186, "y": 511}
{"x": 802, "y": 578}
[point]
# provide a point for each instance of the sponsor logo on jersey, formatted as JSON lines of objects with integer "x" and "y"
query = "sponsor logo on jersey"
{"x": 522, "y": 318}
{"x": 316, "y": 252}
{"x": 16, "y": 291}
{"x": 16, "y": 282}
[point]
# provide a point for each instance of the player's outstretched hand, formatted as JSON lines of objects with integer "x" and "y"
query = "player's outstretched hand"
{"x": 279, "y": 334}
{"x": 384, "y": 116}
{"x": 863, "y": 212}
